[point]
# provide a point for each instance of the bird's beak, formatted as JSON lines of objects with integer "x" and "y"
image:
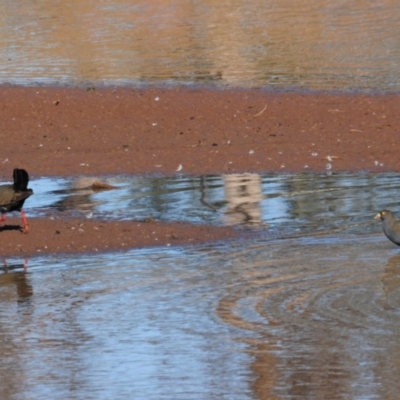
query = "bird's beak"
{"x": 378, "y": 216}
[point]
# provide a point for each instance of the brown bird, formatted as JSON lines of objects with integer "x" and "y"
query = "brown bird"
{"x": 12, "y": 197}
{"x": 390, "y": 225}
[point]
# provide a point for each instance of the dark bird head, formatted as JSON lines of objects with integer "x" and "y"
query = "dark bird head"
{"x": 21, "y": 179}
{"x": 390, "y": 226}
{"x": 384, "y": 215}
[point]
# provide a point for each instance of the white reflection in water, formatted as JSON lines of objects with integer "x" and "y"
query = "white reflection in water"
{"x": 243, "y": 193}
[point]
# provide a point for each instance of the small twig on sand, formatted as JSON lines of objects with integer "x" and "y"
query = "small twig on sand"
{"x": 261, "y": 111}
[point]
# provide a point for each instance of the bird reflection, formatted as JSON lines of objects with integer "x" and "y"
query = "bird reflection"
{"x": 13, "y": 276}
{"x": 79, "y": 195}
{"x": 391, "y": 282}
{"x": 243, "y": 192}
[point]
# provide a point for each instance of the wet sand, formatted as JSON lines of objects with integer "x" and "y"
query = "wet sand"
{"x": 92, "y": 131}
{"x": 72, "y": 236}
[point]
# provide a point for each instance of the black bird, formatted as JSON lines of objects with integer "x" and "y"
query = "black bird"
{"x": 390, "y": 225}
{"x": 12, "y": 197}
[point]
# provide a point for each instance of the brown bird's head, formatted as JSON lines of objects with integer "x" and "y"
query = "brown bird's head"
{"x": 383, "y": 215}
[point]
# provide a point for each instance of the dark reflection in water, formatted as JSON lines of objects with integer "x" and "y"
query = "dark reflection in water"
{"x": 314, "y": 44}
{"x": 15, "y": 275}
{"x": 16, "y": 292}
{"x": 391, "y": 283}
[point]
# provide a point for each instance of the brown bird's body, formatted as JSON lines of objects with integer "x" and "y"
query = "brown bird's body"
{"x": 390, "y": 225}
{"x": 12, "y": 197}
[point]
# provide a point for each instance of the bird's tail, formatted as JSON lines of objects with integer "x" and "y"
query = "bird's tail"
{"x": 21, "y": 179}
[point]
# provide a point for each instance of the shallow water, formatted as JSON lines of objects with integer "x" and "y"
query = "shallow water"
{"x": 308, "y": 310}
{"x": 315, "y": 44}
{"x": 290, "y": 204}
{"x": 315, "y": 318}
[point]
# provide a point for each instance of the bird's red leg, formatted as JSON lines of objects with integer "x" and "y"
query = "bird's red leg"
{"x": 26, "y": 226}
{"x": 3, "y": 217}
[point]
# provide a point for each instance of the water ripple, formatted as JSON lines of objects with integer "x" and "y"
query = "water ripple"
{"x": 308, "y": 310}
{"x": 235, "y": 43}
{"x": 319, "y": 310}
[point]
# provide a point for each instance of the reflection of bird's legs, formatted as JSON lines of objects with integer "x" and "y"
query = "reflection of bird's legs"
{"x": 26, "y": 226}
{"x": 25, "y": 265}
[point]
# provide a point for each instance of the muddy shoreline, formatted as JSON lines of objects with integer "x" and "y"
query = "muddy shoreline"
{"x": 77, "y": 236}
{"x": 57, "y": 131}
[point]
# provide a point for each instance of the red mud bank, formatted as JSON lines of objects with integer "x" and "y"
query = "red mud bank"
{"x": 56, "y": 131}
{"x": 63, "y": 131}
{"x": 73, "y": 236}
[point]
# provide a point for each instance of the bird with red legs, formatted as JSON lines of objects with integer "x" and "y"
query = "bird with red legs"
{"x": 12, "y": 197}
